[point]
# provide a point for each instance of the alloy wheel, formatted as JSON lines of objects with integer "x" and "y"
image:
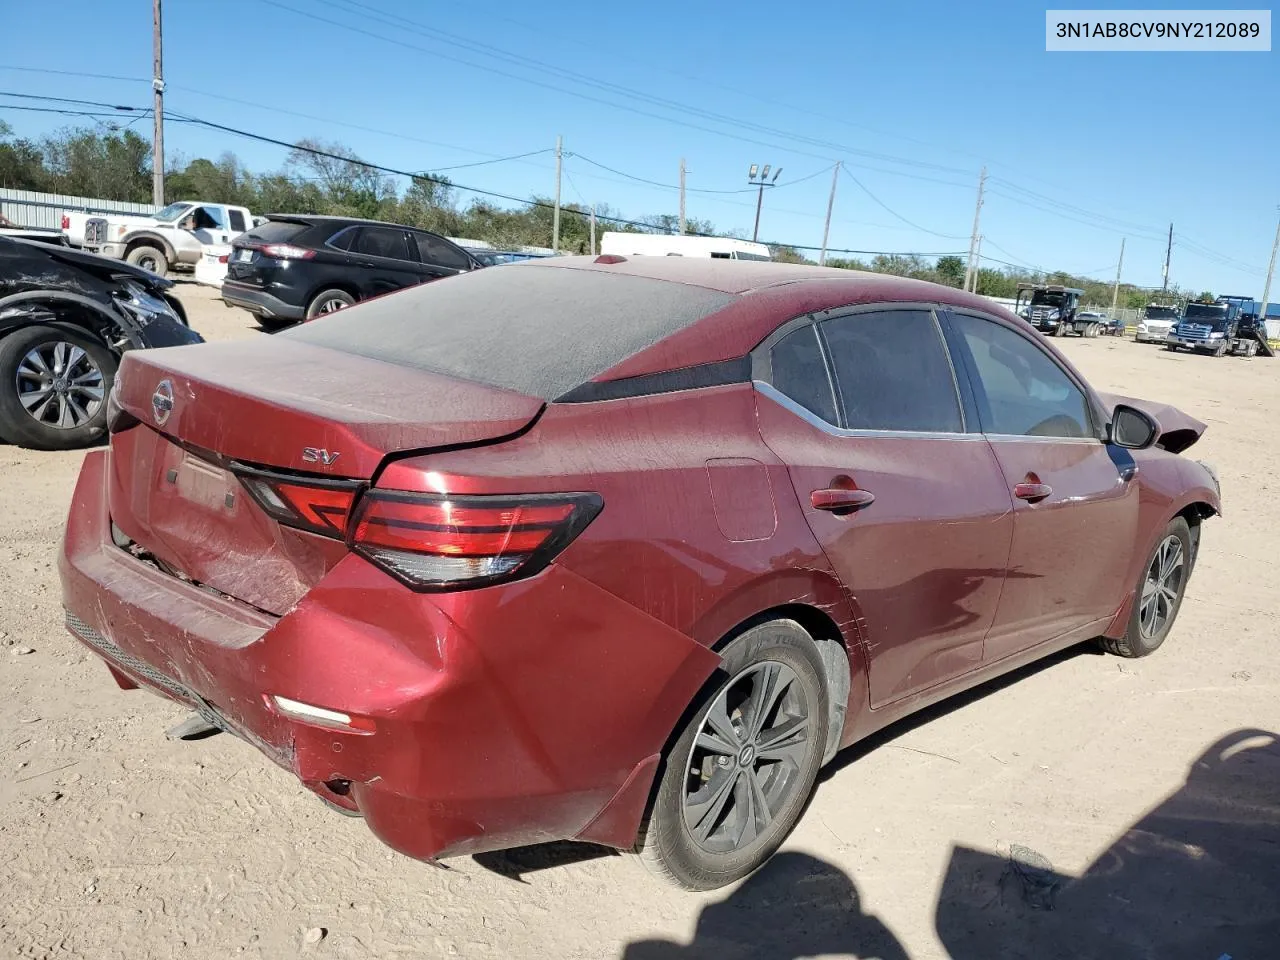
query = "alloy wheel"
{"x": 331, "y": 306}
{"x": 59, "y": 385}
{"x": 1162, "y": 586}
{"x": 745, "y": 763}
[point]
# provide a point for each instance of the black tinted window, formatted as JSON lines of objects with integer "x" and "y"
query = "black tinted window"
{"x": 381, "y": 242}
{"x": 893, "y": 373}
{"x": 1027, "y": 393}
{"x": 799, "y": 372}
{"x": 237, "y": 219}
{"x": 440, "y": 253}
{"x": 343, "y": 238}
{"x": 275, "y": 231}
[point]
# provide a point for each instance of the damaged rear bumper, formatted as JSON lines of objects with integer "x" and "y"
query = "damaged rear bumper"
{"x": 542, "y": 719}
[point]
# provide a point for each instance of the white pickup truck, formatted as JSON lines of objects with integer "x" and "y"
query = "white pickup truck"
{"x": 178, "y": 234}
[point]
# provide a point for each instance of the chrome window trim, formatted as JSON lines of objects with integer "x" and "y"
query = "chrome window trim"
{"x": 780, "y": 398}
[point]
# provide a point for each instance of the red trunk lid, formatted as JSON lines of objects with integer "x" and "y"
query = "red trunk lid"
{"x": 277, "y": 405}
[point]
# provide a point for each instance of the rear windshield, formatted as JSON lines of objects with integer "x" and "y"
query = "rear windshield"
{"x": 275, "y": 231}
{"x": 538, "y": 330}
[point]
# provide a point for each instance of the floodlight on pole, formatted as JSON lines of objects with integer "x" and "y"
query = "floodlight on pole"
{"x": 758, "y": 177}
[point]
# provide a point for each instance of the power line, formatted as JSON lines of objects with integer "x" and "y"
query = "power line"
{"x": 863, "y": 187}
{"x": 616, "y": 90}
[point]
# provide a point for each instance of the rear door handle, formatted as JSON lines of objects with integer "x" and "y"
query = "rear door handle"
{"x": 838, "y": 499}
{"x": 1031, "y": 491}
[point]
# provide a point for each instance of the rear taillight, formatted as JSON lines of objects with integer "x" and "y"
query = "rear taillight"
{"x": 440, "y": 542}
{"x": 66, "y": 222}
{"x": 286, "y": 251}
{"x": 319, "y": 506}
{"x": 224, "y": 258}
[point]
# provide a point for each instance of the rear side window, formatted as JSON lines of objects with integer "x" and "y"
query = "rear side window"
{"x": 343, "y": 238}
{"x": 798, "y": 370}
{"x": 440, "y": 252}
{"x": 381, "y": 242}
{"x": 892, "y": 372}
{"x": 275, "y": 231}
{"x": 1027, "y": 394}
{"x": 237, "y": 219}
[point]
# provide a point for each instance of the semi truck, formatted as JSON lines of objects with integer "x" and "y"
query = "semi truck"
{"x": 1054, "y": 310}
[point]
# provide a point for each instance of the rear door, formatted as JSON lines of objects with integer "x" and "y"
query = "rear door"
{"x": 905, "y": 497}
{"x": 437, "y": 257}
{"x": 1075, "y": 497}
{"x": 383, "y": 259}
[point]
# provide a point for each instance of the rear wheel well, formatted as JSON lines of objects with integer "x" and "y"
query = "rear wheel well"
{"x": 831, "y": 648}
{"x": 345, "y": 286}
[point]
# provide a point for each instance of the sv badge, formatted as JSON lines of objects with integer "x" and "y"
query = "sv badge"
{"x": 319, "y": 455}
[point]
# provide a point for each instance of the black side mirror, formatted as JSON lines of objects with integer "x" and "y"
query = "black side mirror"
{"x": 1133, "y": 429}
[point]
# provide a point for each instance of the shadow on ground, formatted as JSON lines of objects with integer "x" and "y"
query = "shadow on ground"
{"x": 1198, "y": 877}
{"x": 795, "y": 906}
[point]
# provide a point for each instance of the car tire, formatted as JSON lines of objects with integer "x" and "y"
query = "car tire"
{"x": 35, "y": 395}
{"x": 1159, "y": 593}
{"x": 706, "y": 827}
{"x": 329, "y": 301}
{"x": 1060, "y": 330}
{"x": 149, "y": 259}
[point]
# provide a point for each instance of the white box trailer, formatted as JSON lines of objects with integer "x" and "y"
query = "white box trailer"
{"x": 667, "y": 245}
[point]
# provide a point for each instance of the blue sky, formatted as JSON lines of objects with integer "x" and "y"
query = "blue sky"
{"x": 914, "y": 98}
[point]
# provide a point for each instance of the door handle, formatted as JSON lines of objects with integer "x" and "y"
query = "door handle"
{"x": 840, "y": 500}
{"x": 1032, "y": 492}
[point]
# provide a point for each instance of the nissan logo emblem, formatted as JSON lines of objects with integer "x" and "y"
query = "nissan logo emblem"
{"x": 162, "y": 402}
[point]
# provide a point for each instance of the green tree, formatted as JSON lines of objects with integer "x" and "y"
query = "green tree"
{"x": 950, "y": 270}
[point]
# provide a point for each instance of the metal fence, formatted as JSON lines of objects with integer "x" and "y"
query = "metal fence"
{"x": 26, "y": 208}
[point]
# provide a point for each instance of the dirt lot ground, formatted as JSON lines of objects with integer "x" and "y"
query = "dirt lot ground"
{"x": 119, "y": 844}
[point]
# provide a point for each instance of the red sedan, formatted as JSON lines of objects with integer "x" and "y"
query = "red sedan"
{"x": 617, "y": 550}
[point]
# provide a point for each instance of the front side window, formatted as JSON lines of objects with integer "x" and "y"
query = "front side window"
{"x": 209, "y": 218}
{"x": 1027, "y": 393}
{"x": 799, "y": 371}
{"x": 440, "y": 253}
{"x": 892, "y": 372}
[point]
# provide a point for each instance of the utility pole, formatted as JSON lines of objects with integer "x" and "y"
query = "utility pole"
{"x": 831, "y": 202}
{"x": 977, "y": 263}
{"x": 763, "y": 182}
{"x": 1168, "y": 254}
{"x": 682, "y": 196}
{"x": 593, "y": 230}
{"x": 971, "y": 268}
{"x": 1271, "y": 269}
{"x": 1115, "y": 291}
{"x": 555, "y": 221}
{"x": 157, "y": 85}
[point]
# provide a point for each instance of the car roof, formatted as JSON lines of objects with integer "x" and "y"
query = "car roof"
{"x": 315, "y": 219}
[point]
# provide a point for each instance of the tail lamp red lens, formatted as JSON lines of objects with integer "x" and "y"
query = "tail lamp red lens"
{"x": 286, "y": 251}
{"x": 441, "y": 542}
{"x": 320, "y": 506}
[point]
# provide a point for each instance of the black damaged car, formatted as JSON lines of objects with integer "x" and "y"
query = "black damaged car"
{"x": 65, "y": 318}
